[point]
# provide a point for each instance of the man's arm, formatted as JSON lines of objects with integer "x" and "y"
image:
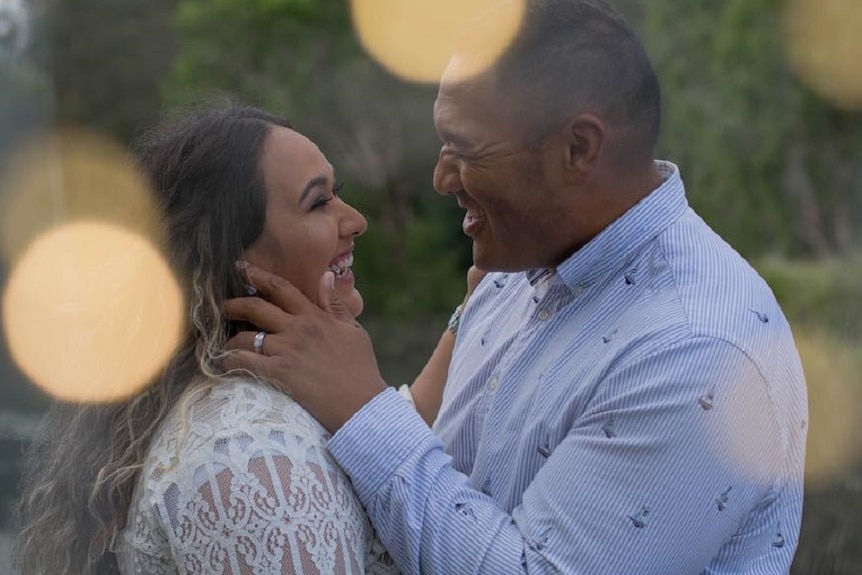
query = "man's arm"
{"x": 661, "y": 494}
{"x": 641, "y": 500}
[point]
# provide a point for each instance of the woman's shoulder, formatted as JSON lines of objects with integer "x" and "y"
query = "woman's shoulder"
{"x": 234, "y": 419}
{"x": 235, "y": 402}
{"x": 228, "y": 405}
{"x": 231, "y": 452}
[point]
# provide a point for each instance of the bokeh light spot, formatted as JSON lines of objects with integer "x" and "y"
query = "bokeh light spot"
{"x": 832, "y": 370}
{"x": 414, "y": 39}
{"x": 824, "y": 47}
{"x": 67, "y": 176}
{"x": 92, "y": 312}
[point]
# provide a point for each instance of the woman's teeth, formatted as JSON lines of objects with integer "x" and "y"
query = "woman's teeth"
{"x": 342, "y": 266}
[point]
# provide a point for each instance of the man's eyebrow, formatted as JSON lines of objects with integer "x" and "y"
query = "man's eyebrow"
{"x": 454, "y": 140}
{"x": 309, "y": 187}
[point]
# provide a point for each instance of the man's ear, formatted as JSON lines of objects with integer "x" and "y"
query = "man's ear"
{"x": 584, "y": 137}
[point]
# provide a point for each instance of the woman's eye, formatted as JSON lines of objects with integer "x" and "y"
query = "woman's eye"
{"x": 322, "y": 201}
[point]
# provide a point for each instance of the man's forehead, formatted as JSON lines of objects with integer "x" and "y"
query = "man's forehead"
{"x": 462, "y": 72}
{"x": 457, "y": 103}
{"x": 467, "y": 115}
{"x": 485, "y": 38}
{"x": 455, "y": 71}
{"x": 458, "y": 90}
{"x": 477, "y": 95}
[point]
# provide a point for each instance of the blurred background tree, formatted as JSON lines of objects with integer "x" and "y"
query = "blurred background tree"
{"x": 774, "y": 167}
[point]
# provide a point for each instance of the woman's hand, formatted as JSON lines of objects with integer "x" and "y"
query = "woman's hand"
{"x": 319, "y": 355}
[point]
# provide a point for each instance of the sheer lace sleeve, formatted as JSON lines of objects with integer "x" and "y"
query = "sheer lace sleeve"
{"x": 245, "y": 486}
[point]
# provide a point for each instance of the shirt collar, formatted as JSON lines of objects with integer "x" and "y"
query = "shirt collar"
{"x": 614, "y": 247}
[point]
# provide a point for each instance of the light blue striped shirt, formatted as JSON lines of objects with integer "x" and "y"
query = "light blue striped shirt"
{"x": 640, "y": 409}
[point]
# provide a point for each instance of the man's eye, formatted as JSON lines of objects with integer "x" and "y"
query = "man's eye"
{"x": 449, "y": 153}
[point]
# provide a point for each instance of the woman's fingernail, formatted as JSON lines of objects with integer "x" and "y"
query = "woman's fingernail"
{"x": 250, "y": 289}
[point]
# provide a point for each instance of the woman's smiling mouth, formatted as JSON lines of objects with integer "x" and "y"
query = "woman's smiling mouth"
{"x": 342, "y": 265}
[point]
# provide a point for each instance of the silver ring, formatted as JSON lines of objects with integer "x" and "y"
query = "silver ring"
{"x": 258, "y": 341}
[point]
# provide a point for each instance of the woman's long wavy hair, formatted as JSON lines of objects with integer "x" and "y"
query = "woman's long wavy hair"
{"x": 84, "y": 463}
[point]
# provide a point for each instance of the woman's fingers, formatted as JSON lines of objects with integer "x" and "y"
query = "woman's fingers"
{"x": 239, "y": 359}
{"x": 277, "y": 290}
{"x": 244, "y": 341}
{"x": 258, "y": 312}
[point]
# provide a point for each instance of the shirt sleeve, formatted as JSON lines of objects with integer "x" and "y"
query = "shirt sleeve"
{"x": 404, "y": 391}
{"x": 688, "y": 446}
{"x": 261, "y": 502}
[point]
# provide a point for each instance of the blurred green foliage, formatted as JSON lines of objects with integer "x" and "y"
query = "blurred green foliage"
{"x": 105, "y": 60}
{"x": 773, "y": 168}
{"x": 824, "y": 296}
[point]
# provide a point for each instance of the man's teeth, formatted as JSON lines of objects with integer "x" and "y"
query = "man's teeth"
{"x": 342, "y": 266}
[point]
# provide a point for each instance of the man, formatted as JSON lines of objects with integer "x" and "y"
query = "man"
{"x": 625, "y": 394}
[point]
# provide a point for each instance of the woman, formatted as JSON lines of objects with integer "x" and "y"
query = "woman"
{"x": 207, "y": 471}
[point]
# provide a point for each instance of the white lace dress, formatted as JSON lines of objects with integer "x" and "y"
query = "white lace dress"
{"x": 238, "y": 482}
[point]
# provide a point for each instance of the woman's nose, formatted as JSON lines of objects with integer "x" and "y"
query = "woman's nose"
{"x": 353, "y": 222}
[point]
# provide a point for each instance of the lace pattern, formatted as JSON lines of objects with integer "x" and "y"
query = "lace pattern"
{"x": 241, "y": 484}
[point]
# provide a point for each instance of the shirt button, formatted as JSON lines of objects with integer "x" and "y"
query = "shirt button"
{"x": 544, "y": 315}
{"x": 494, "y": 383}
{"x": 579, "y": 289}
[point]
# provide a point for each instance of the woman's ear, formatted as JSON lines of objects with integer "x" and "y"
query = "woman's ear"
{"x": 584, "y": 138}
{"x": 262, "y": 252}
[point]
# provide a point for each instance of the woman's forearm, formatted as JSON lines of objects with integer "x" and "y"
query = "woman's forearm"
{"x": 427, "y": 388}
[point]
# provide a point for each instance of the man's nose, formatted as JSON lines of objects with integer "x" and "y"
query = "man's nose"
{"x": 447, "y": 176}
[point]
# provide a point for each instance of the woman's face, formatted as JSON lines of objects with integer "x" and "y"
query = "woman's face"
{"x": 308, "y": 228}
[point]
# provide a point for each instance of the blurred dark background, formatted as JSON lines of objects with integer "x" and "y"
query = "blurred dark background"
{"x": 771, "y": 153}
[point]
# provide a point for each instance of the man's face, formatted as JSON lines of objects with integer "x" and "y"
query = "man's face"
{"x": 506, "y": 186}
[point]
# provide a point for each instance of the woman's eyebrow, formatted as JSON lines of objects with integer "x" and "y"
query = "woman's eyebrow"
{"x": 312, "y": 183}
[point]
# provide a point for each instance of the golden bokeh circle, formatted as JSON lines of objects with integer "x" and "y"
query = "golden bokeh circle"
{"x": 823, "y": 42}
{"x": 69, "y": 175}
{"x": 832, "y": 370}
{"x": 414, "y": 39}
{"x": 92, "y": 312}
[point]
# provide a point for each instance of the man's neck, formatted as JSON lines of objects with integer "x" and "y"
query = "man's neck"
{"x": 619, "y": 197}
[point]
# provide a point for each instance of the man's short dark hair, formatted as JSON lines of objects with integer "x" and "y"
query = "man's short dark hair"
{"x": 576, "y": 55}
